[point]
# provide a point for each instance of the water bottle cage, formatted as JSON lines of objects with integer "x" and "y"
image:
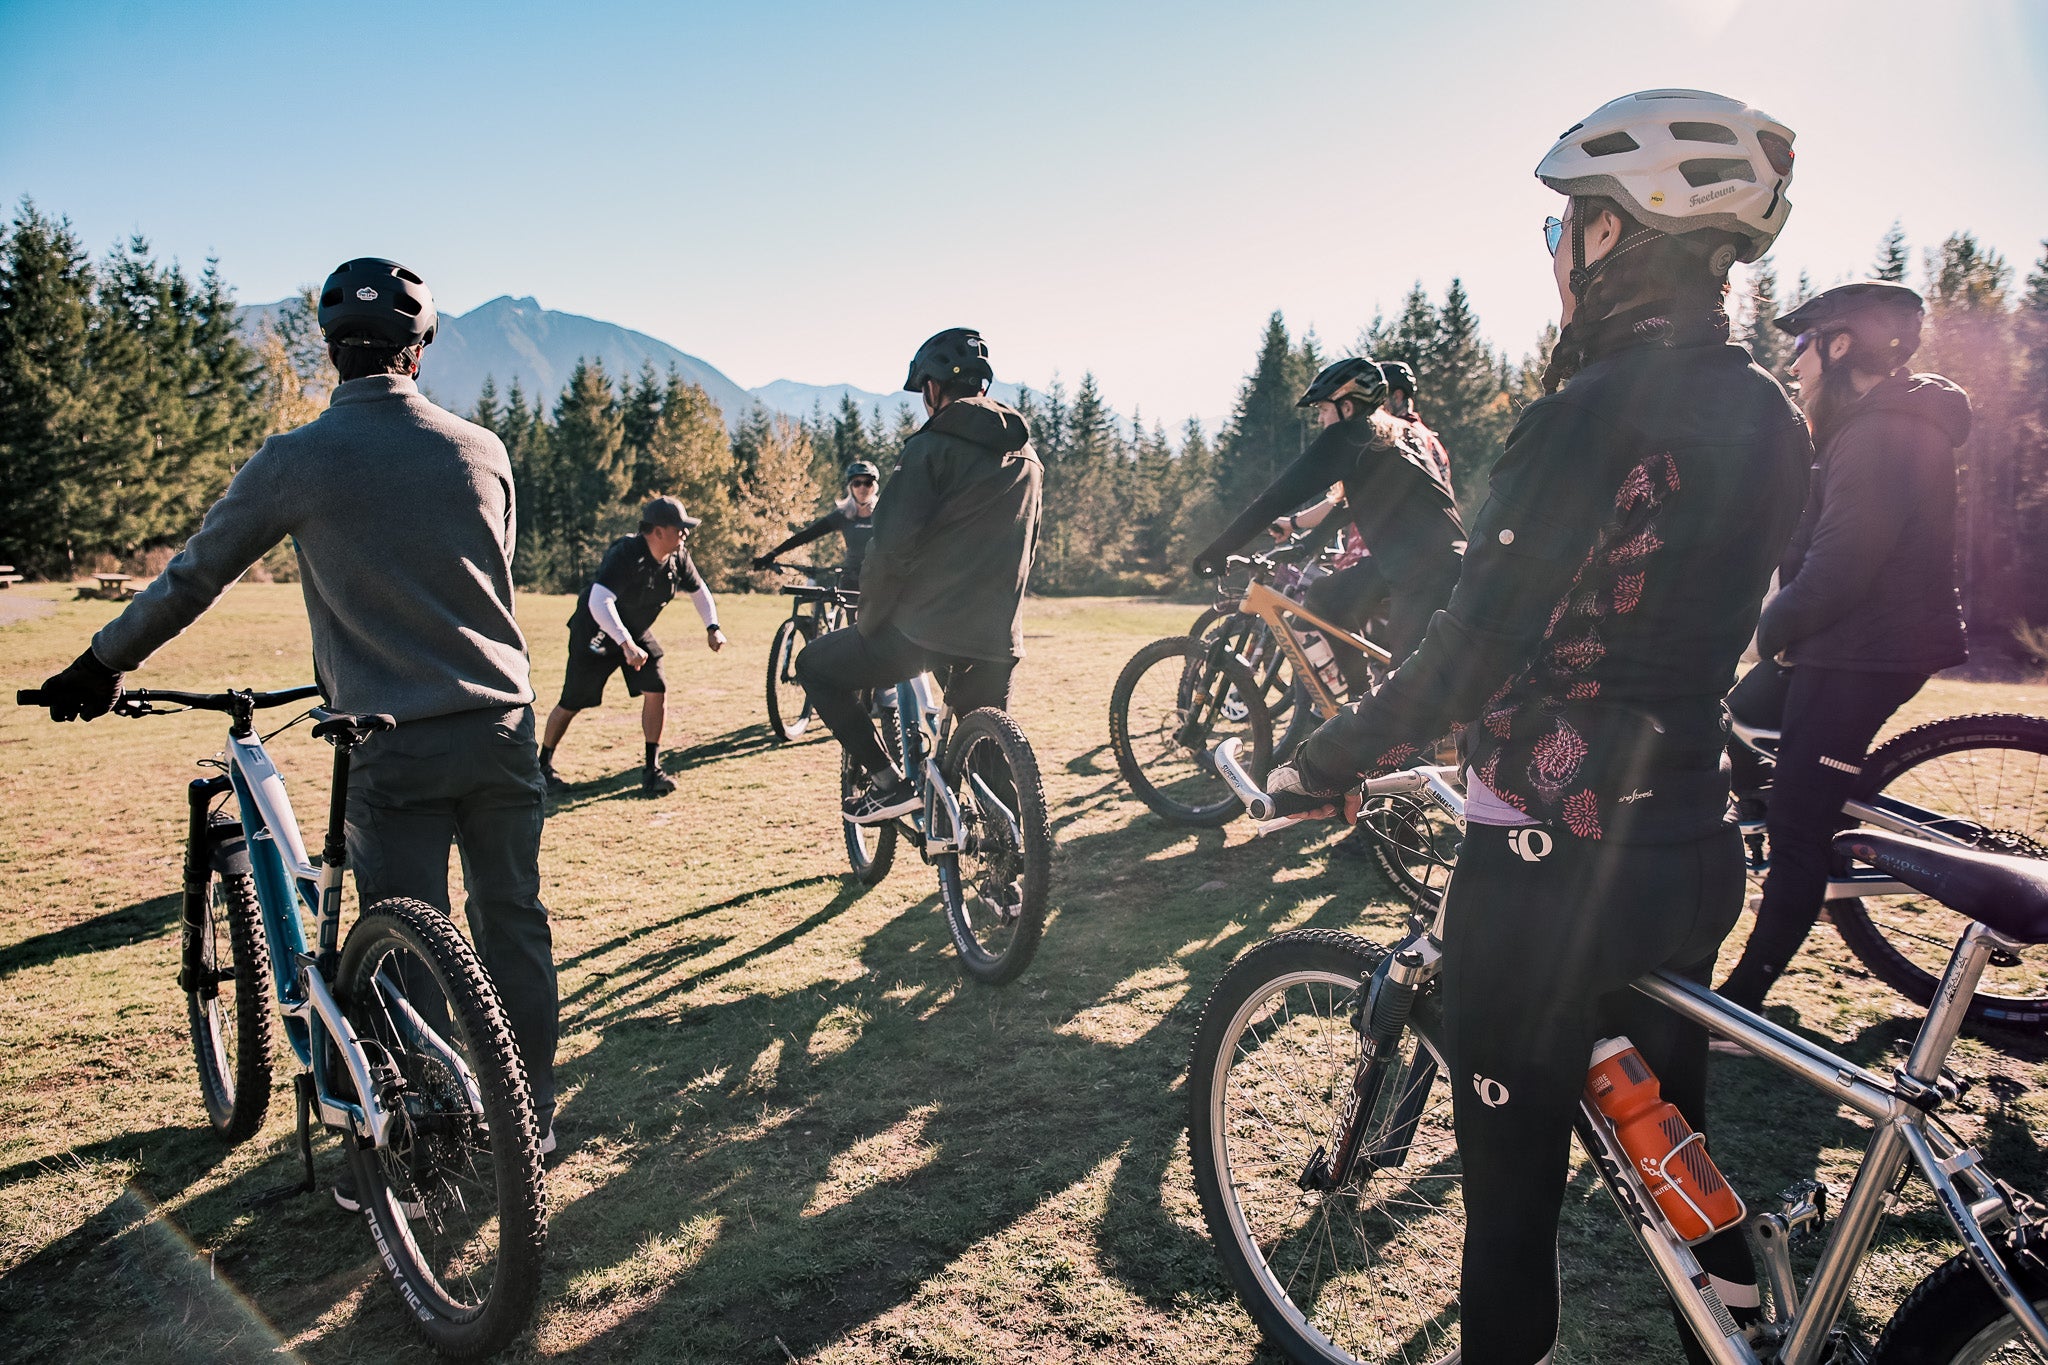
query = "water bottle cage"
{"x": 1661, "y": 1169}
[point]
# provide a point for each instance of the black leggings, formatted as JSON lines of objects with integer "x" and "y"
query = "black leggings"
{"x": 1827, "y": 718}
{"x": 1350, "y": 597}
{"x": 1543, "y": 935}
{"x": 838, "y": 666}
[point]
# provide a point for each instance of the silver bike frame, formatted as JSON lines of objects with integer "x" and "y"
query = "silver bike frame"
{"x": 1898, "y": 1109}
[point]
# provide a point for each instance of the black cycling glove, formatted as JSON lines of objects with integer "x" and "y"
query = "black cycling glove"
{"x": 85, "y": 690}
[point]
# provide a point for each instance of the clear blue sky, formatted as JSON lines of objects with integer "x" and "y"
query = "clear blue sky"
{"x": 806, "y": 191}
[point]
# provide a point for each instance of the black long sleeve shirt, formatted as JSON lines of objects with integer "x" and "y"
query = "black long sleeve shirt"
{"x": 1401, "y": 506}
{"x": 1612, "y": 582}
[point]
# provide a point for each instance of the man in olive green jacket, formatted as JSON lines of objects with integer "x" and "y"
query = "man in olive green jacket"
{"x": 942, "y": 586}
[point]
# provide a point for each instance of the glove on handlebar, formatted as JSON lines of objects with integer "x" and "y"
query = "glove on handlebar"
{"x": 86, "y": 690}
{"x": 1207, "y": 566}
{"x": 1296, "y": 789}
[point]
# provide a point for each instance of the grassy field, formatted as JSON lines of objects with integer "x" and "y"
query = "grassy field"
{"x": 790, "y": 1128}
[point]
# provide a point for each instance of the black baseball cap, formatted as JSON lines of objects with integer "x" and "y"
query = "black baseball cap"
{"x": 667, "y": 511}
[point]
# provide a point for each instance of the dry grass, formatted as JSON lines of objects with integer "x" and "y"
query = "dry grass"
{"x": 786, "y": 1115}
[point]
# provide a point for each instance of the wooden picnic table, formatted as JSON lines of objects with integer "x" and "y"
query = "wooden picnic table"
{"x": 8, "y": 577}
{"x": 114, "y": 586}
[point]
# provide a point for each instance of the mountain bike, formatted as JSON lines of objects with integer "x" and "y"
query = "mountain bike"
{"x": 1324, "y": 1155}
{"x": 1179, "y": 697}
{"x": 400, "y": 1042}
{"x": 1976, "y": 782}
{"x": 982, "y": 823}
{"x": 1288, "y": 569}
{"x": 821, "y": 605}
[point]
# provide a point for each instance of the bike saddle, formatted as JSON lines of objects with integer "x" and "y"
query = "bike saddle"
{"x": 2009, "y": 894}
{"x": 348, "y": 727}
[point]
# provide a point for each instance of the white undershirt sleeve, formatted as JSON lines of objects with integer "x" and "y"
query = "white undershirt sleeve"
{"x": 604, "y": 605}
{"x": 707, "y": 610}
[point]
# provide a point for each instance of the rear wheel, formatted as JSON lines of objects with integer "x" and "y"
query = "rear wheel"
{"x": 229, "y": 1006}
{"x": 1367, "y": 1270}
{"x": 1982, "y": 780}
{"x": 1168, "y": 712}
{"x": 995, "y": 888}
{"x": 789, "y": 706}
{"x": 1953, "y": 1318}
{"x": 454, "y": 1197}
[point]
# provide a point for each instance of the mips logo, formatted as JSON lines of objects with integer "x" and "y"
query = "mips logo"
{"x": 1531, "y": 843}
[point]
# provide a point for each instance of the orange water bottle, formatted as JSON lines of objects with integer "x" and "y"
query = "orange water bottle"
{"x": 1669, "y": 1156}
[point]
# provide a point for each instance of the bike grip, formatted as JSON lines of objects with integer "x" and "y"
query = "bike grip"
{"x": 1240, "y": 782}
{"x": 29, "y": 696}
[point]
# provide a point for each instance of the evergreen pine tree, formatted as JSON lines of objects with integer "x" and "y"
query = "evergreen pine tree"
{"x": 1767, "y": 345}
{"x": 593, "y": 472}
{"x": 689, "y": 456}
{"x": 1892, "y": 257}
{"x": 1266, "y": 431}
{"x": 780, "y": 492}
{"x": 639, "y": 411}
{"x": 487, "y": 414}
{"x": 46, "y": 393}
{"x": 1463, "y": 398}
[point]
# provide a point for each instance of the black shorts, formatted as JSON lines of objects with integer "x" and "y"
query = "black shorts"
{"x": 583, "y": 682}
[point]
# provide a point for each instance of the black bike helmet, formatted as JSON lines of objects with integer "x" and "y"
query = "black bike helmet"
{"x": 373, "y": 302}
{"x": 1883, "y": 318}
{"x": 1399, "y": 375}
{"x": 954, "y": 354}
{"x": 1358, "y": 379}
{"x": 862, "y": 469}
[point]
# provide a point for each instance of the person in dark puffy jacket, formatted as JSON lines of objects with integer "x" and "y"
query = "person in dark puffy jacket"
{"x": 1867, "y": 609}
{"x": 942, "y": 584}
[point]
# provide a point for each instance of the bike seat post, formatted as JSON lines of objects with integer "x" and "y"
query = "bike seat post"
{"x": 333, "y": 859}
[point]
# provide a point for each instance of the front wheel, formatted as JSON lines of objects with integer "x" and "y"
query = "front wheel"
{"x": 995, "y": 887}
{"x": 1366, "y": 1269}
{"x": 1170, "y": 708}
{"x": 870, "y": 849}
{"x": 1982, "y": 780}
{"x": 789, "y": 705}
{"x": 454, "y": 1197}
{"x": 1953, "y": 1318}
{"x": 228, "y": 1008}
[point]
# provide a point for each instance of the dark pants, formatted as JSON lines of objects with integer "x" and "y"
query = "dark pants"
{"x": 1349, "y": 598}
{"x": 1538, "y": 954}
{"x": 472, "y": 779}
{"x": 1827, "y": 718}
{"x": 838, "y": 666}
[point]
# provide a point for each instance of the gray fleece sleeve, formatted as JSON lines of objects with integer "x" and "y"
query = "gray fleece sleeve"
{"x": 253, "y": 515}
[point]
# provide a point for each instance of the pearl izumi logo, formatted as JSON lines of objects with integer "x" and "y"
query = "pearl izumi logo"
{"x": 1492, "y": 1093}
{"x": 367, "y": 294}
{"x": 1532, "y": 845}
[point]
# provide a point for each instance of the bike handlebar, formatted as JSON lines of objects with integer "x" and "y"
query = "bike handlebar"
{"x": 1266, "y": 811}
{"x": 198, "y": 701}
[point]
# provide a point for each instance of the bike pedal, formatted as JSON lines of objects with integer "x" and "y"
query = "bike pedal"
{"x": 1804, "y": 1207}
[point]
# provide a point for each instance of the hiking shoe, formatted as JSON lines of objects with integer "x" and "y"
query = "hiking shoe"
{"x": 880, "y": 802}
{"x": 553, "y": 781}
{"x": 655, "y": 782}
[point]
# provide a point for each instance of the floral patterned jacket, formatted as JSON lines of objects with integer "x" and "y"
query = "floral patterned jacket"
{"x": 1612, "y": 581}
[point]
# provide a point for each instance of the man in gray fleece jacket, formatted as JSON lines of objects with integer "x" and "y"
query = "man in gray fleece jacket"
{"x": 401, "y": 515}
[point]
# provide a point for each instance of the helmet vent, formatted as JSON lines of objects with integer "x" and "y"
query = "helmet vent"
{"x": 1703, "y": 132}
{"x": 1777, "y": 149}
{"x": 330, "y": 298}
{"x": 1714, "y": 170}
{"x": 1610, "y": 144}
{"x": 409, "y": 307}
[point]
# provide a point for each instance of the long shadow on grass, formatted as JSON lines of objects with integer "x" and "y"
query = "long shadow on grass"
{"x": 115, "y": 929}
{"x": 797, "y": 1164}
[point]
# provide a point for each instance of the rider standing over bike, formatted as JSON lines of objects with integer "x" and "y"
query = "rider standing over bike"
{"x": 613, "y": 627}
{"x": 401, "y": 515}
{"x": 1401, "y": 507}
{"x": 1867, "y": 610}
{"x": 943, "y": 581}
{"x": 1612, "y": 583}
{"x": 853, "y": 517}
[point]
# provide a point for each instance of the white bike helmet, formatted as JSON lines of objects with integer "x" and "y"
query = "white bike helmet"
{"x": 1680, "y": 161}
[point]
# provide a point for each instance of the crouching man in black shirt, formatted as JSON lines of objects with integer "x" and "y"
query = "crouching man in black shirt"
{"x": 614, "y": 627}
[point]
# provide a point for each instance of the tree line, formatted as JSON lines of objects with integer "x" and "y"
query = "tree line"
{"x": 128, "y": 396}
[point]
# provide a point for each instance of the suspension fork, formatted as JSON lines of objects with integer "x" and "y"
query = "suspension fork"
{"x": 194, "y": 972}
{"x": 1381, "y": 1018}
{"x": 1208, "y": 700}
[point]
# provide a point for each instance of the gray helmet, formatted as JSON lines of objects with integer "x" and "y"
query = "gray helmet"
{"x": 862, "y": 469}
{"x": 956, "y": 353}
{"x": 374, "y": 302}
{"x": 1357, "y": 379}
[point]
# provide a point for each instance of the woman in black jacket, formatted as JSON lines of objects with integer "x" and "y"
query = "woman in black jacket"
{"x": 1611, "y": 583}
